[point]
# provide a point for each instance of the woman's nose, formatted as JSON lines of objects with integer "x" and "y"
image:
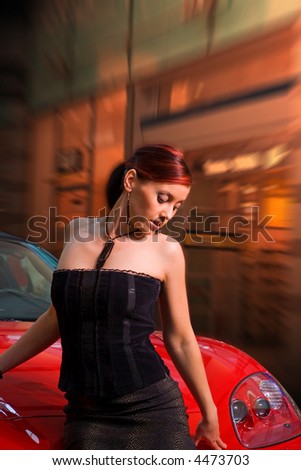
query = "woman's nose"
{"x": 168, "y": 212}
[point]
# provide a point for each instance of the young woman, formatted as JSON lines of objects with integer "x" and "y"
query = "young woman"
{"x": 110, "y": 275}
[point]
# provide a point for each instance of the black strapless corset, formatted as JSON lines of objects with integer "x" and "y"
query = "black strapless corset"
{"x": 105, "y": 318}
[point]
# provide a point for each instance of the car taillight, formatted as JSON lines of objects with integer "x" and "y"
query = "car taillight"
{"x": 263, "y": 413}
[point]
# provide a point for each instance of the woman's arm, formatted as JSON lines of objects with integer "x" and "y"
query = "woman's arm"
{"x": 39, "y": 336}
{"x": 181, "y": 344}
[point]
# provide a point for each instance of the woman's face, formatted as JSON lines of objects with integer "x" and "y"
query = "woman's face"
{"x": 153, "y": 204}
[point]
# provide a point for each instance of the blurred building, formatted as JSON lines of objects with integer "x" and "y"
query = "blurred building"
{"x": 220, "y": 79}
{"x": 14, "y": 118}
{"x": 236, "y": 113}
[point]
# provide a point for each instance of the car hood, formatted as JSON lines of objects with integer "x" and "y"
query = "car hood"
{"x": 31, "y": 388}
{"x": 225, "y": 367}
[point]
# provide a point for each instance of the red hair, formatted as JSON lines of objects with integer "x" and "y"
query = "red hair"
{"x": 158, "y": 163}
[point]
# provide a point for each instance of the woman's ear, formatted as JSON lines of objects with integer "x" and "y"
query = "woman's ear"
{"x": 129, "y": 179}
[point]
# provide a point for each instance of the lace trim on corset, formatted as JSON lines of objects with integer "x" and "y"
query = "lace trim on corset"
{"x": 127, "y": 271}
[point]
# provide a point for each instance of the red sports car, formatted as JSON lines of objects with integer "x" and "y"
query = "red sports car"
{"x": 255, "y": 411}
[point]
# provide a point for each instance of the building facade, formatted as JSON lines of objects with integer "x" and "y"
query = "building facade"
{"x": 236, "y": 114}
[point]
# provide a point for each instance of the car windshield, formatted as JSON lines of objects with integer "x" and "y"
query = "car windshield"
{"x": 25, "y": 279}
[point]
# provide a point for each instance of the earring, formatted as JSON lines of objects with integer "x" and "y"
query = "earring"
{"x": 128, "y": 209}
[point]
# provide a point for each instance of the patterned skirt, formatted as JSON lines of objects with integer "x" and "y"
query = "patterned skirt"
{"x": 150, "y": 418}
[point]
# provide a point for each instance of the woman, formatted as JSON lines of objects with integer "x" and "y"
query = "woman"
{"x": 111, "y": 272}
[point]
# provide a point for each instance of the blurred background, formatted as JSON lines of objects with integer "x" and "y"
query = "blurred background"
{"x": 83, "y": 82}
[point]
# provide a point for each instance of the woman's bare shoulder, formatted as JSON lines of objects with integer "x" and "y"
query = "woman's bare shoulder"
{"x": 171, "y": 254}
{"x": 82, "y": 243}
{"x": 84, "y": 229}
{"x": 169, "y": 245}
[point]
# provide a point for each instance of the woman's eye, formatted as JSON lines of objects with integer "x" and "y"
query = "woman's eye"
{"x": 162, "y": 198}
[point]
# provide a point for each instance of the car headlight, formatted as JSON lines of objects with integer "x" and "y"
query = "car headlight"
{"x": 263, "y": 413}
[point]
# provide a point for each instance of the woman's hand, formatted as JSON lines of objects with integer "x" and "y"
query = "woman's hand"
{"x": 209, "y": 432}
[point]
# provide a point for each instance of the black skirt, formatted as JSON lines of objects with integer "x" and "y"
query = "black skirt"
{"x": 150, "y": 418}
